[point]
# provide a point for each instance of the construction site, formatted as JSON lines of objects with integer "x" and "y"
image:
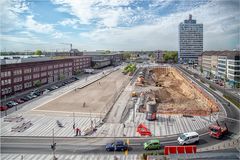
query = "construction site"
{"x": 95, "y": 98}
{"x": 164, "y": 90}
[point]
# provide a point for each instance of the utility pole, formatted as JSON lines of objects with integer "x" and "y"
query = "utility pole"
{"x": 53, "y": 147}
{"x": 74, "y": 123}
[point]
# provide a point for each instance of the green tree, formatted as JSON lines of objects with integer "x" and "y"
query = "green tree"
{"x": 37, "y": 83}
{"x": 38, "y": 52}
{"x": 201, "y": 69}
{"x": 126, "y": 55}
{"x": 61, "y": 77}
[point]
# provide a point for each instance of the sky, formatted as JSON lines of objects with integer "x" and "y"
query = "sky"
{"x": 50, "y": 25}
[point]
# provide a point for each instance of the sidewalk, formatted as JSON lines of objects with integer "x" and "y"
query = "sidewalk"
{"x": 234, "y": 142}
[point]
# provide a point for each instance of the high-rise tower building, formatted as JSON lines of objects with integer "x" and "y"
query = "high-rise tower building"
{"x": 190, "y": 40}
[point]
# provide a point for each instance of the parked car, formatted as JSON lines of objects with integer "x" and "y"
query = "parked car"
{"x": 152, "y": 144}
{"x": 19, "y": 101}
{"x": 45, "y": 91}
{"x": 11, "y": 104}
{"x": 30, "y": 97}
{"x": 33, "y": 95}
{"x": 25, "y": 98}
{"x": 117, "y": 146}
{"x": 50, "y": 89}
{"x": 3, "y": 108}
{"x": 188, "y": 138}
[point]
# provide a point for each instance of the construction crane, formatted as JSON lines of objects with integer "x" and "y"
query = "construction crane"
{"x": 68, "y": 44}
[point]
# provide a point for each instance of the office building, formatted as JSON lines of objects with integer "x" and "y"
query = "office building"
{"x": 19, "y": 77}
{"x": 190, "y": 41}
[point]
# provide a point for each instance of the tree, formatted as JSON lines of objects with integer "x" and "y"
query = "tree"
{"x": 38, "y": 52}
{"x": 201, "y": 69}
{"x": 106, "y": 52}
{"x": 126, "y": 55}
{"x": 37, "y": 83}
{"x": 170, "y": 55}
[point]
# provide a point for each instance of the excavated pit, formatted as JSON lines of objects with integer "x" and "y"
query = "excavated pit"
{"x": 175, "y": 94}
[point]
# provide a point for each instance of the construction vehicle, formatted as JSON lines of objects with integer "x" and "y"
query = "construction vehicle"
{"x": 134, "y": 94}
{"x": 218, "y": 131}
{"x": 140, "y": 81}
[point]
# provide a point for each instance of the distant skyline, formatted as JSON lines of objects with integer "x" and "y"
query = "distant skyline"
{"x": 115, "y": 24}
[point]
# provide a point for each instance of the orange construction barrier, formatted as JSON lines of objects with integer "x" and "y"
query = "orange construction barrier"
{"x": 180, "y": 149}
{"x": 143, "y": 130}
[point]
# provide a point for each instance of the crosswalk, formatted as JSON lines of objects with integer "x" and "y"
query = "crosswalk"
{"x": 43, "y": 126}
{"x": 165, "y": 125}
{"x": 67, "y": 157}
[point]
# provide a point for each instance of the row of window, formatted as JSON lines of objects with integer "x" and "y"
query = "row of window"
{"x": 6, "y": 74}
{"x": 5, "y": 82}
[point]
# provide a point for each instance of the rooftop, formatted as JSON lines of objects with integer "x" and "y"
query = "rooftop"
{"x": 229, "y": 54}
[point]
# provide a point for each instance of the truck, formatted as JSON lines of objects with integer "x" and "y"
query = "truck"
{"x": 218, "y": 131}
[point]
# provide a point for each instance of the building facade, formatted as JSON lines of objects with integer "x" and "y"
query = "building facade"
{"x": 97, "y": 56}
{"x": 18, "y": 77}
{"x": 223, "y": 65}
{"x": 190, "y": 41}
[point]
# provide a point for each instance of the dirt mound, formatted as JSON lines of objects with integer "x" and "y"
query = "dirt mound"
{"x": 176, "y": 95}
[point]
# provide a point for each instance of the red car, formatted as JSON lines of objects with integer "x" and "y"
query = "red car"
{"x": 3, "y": 108}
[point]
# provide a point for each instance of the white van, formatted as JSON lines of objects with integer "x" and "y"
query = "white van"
{"x": 188, "y": 138}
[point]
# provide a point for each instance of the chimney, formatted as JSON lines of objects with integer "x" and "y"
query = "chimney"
{"x": 190, "y": 17}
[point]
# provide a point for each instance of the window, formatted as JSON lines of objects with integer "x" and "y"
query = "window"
{"x": 44, "y": 80}
{"x": 18, "y": 87}
{"x": 43, "y": 68}
{"x": 56, "y": 66}
{"x": 36, "y": 69}
{"x": 6, "y": 90}
{"x": 27, "y": 84}
{"x": 5, "y": 82}
{"x": 17, "y": 72}
{"x": 50, "y": 73}
{"x": 37, "y": 75}
{"x": 50, "y": 67}
{"x": 6, "y": 74}
{"x": 27, "y": 77}
{"x": 17, "y": 79}
{"x": 43, "y": 74}
{"x": 27, "y": 70}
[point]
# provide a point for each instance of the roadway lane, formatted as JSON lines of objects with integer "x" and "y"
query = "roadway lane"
{"x": 36, "y": 145}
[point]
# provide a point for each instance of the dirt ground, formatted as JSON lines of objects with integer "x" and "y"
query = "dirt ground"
{"x": 90, "y": 99}
{"x": 176, "y": 95}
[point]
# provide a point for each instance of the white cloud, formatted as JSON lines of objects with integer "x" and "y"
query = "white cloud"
{"x": 10, "y": 14}
{"x": 220, "y": 21}
{"x": 35, "y": 26}
{"x": 57, "y": 35}
{"x": 107, "y": 12}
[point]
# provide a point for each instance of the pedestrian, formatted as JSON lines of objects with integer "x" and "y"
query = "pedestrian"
{"x": 77, "y": 131}
{"x": 84, "y": 104}
{"x": 99, "y": 83}
{"x": 123, "y": 125}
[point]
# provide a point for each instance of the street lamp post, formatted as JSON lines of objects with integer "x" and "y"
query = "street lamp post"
{"x": 74, "y": 123}
{"x": 53, "y": 147}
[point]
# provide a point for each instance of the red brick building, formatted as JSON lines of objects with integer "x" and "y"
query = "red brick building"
{"x": 18, "y": 77}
